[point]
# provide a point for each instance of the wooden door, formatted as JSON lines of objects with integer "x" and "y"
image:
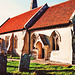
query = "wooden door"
{"x": 39, "y": 47}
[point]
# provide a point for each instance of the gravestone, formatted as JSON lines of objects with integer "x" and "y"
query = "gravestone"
{"x": 24, "y": 62}
{"x": 3, "y": 64}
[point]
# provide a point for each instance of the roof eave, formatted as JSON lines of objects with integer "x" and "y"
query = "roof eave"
{"x": 13, "y": 31}
{"x": 53, "y": 26}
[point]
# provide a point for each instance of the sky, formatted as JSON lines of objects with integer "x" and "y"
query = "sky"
{"x": 11, "y": 8}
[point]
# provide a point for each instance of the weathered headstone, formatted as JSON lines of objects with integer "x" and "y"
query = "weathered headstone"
{"x": 3, "y": 64}
{"x": 24, "y": 62}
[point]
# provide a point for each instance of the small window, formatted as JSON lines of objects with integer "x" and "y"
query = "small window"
{"x": 6, "y": 41}
{"x": 15, "y": 41}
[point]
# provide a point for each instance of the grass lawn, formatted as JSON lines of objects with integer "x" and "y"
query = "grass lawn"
{"x": 39, "y": 69}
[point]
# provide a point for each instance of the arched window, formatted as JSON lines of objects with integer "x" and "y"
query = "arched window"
{"x": 15, "y": 41}
{"x": 54, "y": 40}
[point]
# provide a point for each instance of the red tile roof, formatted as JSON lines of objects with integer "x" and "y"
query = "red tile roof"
{"x": 56, "y": 15}
{"x": 17, "y": 22}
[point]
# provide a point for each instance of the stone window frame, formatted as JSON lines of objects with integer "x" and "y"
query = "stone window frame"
{"x": 55, "y": 38}
{"x": 55, "y": 42}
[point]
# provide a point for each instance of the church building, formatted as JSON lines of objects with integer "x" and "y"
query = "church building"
{"x": 44, "y": 32}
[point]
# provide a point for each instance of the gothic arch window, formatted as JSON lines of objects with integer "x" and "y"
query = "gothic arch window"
{"x": 15, "y": 41}
{"x": 54, "y": 41}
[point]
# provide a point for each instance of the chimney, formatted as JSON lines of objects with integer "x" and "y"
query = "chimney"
{"x": 33, "y": 4}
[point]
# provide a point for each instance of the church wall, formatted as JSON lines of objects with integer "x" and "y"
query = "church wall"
{"x": 3, "y": 37}
{"x": 64, "y": 54}
{"x": 20, "y": 41}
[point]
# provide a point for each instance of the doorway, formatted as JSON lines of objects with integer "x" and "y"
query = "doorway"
{"x": 40, "y": 50}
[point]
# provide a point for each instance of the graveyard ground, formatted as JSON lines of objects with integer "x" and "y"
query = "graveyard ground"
{"x": 39, "y": 69}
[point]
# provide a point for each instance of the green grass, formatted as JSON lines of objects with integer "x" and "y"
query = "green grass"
{"x": 12, "y": 57}
{"x": 38, "y": 69}
{"x": 32, "y": 58}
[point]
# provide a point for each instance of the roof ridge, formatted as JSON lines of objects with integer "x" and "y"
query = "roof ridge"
{"x": 25, "y": 12}
{"x": 61, "y": 3}
{"x": 40, "y": 7}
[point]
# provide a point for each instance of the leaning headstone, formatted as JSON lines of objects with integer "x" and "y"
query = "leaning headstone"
{"x": 3, "y": 64}
{"x": 24, "y": 62}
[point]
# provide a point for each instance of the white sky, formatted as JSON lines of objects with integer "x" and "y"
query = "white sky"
{"x": 11, "y": 8}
